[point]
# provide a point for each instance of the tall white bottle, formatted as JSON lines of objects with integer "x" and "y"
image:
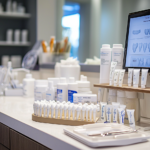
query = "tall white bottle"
{"x": 50, "y": 92}
{"x": 105, "y": 56}
{"x": 72, "y": 88}
{"x": 62, "y": 90}
{"x": 117, "y": 55}
{"x": 28, "y": 86}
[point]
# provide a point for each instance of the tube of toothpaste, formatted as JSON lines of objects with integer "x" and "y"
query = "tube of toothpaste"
{"x": 103, "y": 111}
{"x": 144, "y": 77}
{"x": 130, "y": 75}
{"x": 112, "y": 71}
{"x": 121, "y": 112}
{"x": 121, "y": 77}
{"x": 130, "y": 113}
{"x": 115, "y": 112}
{"x": 108, "y": 113}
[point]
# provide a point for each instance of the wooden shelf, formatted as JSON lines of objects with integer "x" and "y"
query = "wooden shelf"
{"x": 124, "y": 87}
{"x": 4, "y": 43}
{"x": 14, "y": 15}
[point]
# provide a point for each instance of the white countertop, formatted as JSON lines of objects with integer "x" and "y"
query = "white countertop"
{"x": 16, "y": 113}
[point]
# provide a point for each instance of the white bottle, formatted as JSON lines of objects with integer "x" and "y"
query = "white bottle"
{"x": 62, "y": 89}
{"x": 117, "y": 55}
{"x": 28, "y": 86}
{"x": 72, "y": 88}
{"x": 50, "y": 93}
{"x": 40, "y": 89}
{"x": 8, "y": 6}
{"x": 55, "y": 82}
{"x": 105, "y": 55}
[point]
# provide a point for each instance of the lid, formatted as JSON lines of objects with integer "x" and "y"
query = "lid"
{"x": 117, "y": 46}
{"x": 28, "y": 75}
{"x": 106, "y": 46}
{"x": 131, "y": 94}
{"x": 55, "y": 81}
{"x": 71, "y": 80}
{"x": 112, "y": 92}
{"x": 121, "y": 94}
{"x": 50, "y": 83}
{"x": 62, "y": 80}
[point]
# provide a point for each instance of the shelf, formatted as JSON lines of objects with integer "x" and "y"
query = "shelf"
{"x": 4, "y": 43}
{"x": 124, "y": 87}
{"x": 14, "y": 15}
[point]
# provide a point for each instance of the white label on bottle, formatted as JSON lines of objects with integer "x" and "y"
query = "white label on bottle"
{"x": 104, "y": 58}
{"x": 117, "y": 57}
{"x": 59, "y": 95}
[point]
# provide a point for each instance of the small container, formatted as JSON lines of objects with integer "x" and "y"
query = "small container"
{"x": 72, "y": 88}
{"x": 112, "y": 96}
{"x": 28, "y": 86}
{"x": 62, "y": 90}
{"x": 17, "y": 36}
{"x": 24, "y": 36}
{"x": 9, "y": 35}
{"x": 40, "y": 89}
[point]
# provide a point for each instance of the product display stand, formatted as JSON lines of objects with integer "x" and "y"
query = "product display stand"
{"x": 61, "y": 121}
{"x": 125, "y": 87}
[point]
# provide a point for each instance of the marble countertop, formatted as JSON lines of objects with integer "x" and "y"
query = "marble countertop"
{"x": 16, "y": 113}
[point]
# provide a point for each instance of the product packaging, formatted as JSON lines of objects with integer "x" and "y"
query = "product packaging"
{"x": 103, "y": 111}
{"x": 121, "y": 112}
{"x": 144, "y": 78}
{"x": 131, "y": 118}
{"x": 108, "y": 113}
{"x": 130, "y": 76}
{"x": 121, "y": 77}
{"x": 112, "y": 71}
{"x": 136, "y": 75}
{"x": 115, "y": 112}
{"x": 116, "y": 77}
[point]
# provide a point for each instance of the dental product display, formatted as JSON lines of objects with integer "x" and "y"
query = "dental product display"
{"x": 144, "y": 77}
{"x": 108, "y": 113}
{"x": 105, "y": 56}
{"x": 117, "y": 55}
{"x": 55, "y": 82}
{"x": 103, "y": 111}
{"x": 115, "y": 112}
{"x": 112, "y": 71}
{"x": 40, "y": 87}
{"x": 28, "y": 86}
{"x": 62, "y": 90}
{"x": 64, "y": 113}
{"x": 84, "y": 85}
{"x": 104, "y": 135}
{"x": 112, "y": 96}
{"x": 116, "y": 77}
{"x": 84, "y": 98}
{"x": 95, "y": 61}
{"x": 72, "y": 88}
{"x": 136, "y": 75}
{"x": 130, "y": 113}
{"x": 50, "y": 92}
{"x": 130, "y": 76}
{"x": 121, "y": 77}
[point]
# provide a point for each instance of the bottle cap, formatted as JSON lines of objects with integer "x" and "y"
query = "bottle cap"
{"x": 117, "y": 46}
{"x": 105, "y": 46}
{"x": 28, "y": 75}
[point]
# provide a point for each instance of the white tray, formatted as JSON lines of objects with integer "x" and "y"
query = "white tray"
{"x": 80, "y": 133}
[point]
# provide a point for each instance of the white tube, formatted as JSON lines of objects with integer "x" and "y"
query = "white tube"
{"x": 41, "y": 106}
{"x": 87, "y": 113}
{"x": 108, "y": 113}
{"x": 56, "y": 110}
{"x": 53, "y": 109}
{"x": 78, "y": 112}
{"x": 130, "y": 113}
{"x": 130, "y": 76}
{"x": 136, "y": 78}
{"x": 69, "y": 111}
{"x": 115, "y": 112}
{"x": 34, "y": 108}
{"x": 74, "y": 111}
{"x": 91, "y": 112}
{"x": 45, "y": 109}
{"x": 103, "y": 110}
{"x": 83, "y": 112}
{"x": 94, "y": 113}
{"x": 116, "y": 77}
{"x": 144, "y": 78}
{"x": 121, "y": 115}
{"x": 121, "y": 77}
{"x": 65, "y": 110}
{"x": 48, "y": 109}
{"x": 112, "y": 70}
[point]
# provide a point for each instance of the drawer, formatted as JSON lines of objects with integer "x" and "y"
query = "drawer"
{"x": 4, "y": 135}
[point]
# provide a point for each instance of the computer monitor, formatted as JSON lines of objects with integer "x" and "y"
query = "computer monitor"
{"x": 137, "y": 46}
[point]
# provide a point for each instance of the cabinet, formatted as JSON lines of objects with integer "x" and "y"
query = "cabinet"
{"x": 12, "y": 140}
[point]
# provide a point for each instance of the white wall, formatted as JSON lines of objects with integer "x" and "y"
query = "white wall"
{"x": 46, "y": 19}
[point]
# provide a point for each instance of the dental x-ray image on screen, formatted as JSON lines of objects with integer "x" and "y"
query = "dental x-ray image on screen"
{"x": 137, "y": 49}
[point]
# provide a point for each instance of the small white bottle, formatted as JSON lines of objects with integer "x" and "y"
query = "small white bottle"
{"x": 105, "y": 56}
{"x": 62, "y": 89}
{"x": 72, "y": 88}
{"x": 40, "y": 89}
{"x": 28, "y": 86}
{"x": 50, "y": 93}
{"x": 117, "y": 55}
{"x": 8, "y": 6}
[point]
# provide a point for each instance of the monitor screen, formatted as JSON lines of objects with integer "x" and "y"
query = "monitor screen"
{"x": 138, "y": 47}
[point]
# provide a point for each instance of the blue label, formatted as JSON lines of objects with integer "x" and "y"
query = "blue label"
{"x": 70, "y": 95}
{"x": 59, "y": 95}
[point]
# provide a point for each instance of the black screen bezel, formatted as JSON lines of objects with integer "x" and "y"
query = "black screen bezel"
{"x": 133, "y": 15}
